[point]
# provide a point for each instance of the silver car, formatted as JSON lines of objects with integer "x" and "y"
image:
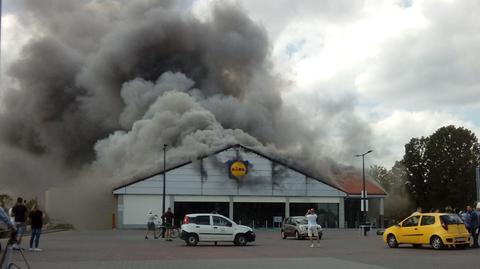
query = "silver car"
{"x": 297, "y": 227}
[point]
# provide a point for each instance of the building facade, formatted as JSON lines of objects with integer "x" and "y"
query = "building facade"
{"x": 249, "y": 187}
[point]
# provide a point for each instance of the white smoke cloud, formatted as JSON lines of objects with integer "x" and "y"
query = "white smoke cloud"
{"x": 139, "y": 94}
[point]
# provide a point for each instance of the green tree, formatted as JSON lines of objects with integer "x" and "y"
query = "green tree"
{"x": 381, "y": 175}
{"x": 397, "y": 203}
{"x": 441, "y": 168}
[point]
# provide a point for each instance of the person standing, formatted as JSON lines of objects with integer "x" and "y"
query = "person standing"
{"x": 6, "y": 219}
{"x": 168, "y": 223}
{"x": 312, "y": 226}
{"x": 417, "y": 212}
{"x": 151, "y": 224}
{"x": 477, "y": 211}
{"x": 19, "y": 212}
{"x": 36, "y": 220}
{"x": 473, "y": 226}
{"x": 466, "y": 218}
{"x": 10, "y": 214}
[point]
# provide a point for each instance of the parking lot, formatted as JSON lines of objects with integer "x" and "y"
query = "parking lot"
{"x": 338, "y": 249}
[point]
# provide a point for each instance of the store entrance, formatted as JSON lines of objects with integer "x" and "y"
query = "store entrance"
{"x": 327, "y": 212}
{"x": 258, "y": 214}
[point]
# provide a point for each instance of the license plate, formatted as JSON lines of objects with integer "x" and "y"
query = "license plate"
{"x": 460, "y": 240}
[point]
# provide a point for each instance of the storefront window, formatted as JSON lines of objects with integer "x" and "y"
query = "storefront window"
{"x": 327, "y": 212}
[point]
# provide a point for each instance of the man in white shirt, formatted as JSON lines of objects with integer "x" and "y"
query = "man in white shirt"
{"x": 151, "y": 218}
{"x": 312, "y": 226}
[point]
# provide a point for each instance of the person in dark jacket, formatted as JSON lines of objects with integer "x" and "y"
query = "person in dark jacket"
{"x": 36, "y": 220}
{"x": 19, "y": 212}
{"x": 473, "y": 226}
{"x": 168, "y": 223}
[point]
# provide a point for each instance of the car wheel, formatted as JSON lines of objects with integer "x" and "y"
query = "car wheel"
{"x": 191, "y": 240}
{"x": 240, "y": 240}
{"x": 392, "y": 241}
{"x": 417, "y": 245}
{"x": 284, "y": 236}
{"x": 298, "y": 236}
{"x": 436, "y": 242}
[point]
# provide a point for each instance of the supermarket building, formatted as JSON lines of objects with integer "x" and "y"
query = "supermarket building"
{"x": 249, "y": 187}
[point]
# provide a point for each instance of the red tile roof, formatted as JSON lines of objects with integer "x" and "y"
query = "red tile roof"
{"x": 353, "y": 185}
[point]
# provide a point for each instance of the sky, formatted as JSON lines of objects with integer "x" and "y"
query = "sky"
{"x": 408, "y": 67}
{"x": 403, "y": 68}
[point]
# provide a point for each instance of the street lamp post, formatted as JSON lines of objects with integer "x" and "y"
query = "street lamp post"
{"x": 164, "y": 180}
{"x": 364, "y": 192}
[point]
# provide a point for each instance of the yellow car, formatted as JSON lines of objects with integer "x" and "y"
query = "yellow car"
{"x": 436, "y": 229}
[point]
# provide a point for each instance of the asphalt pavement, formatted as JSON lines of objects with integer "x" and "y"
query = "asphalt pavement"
{"x": 339, "y": 248}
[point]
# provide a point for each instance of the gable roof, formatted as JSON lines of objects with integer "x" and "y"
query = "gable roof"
{"x": 352, "y": 184}
{"x": 347, "y": 186}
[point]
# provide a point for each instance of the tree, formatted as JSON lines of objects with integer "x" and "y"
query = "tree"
{"x": 381, "y": 175}
{"x": 397, "y": 203}
{"x": 441, "y": 168}
{"x": 414, "y": 161}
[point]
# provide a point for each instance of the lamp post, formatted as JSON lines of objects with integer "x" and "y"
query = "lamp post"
{"x": 364, "y": 193}
{"x": 164, "y": 180}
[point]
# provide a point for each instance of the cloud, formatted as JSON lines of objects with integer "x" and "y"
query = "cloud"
{"x": 386, "y": 59}
{"x": 341, "y": 69}
{"x": 431, "y": 67}
{"x": 394, "y": 131}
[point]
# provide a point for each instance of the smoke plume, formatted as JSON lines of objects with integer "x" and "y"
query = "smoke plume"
{"x": 102, "y": 85}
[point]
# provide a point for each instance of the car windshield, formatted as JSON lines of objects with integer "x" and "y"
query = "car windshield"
{"x": 451, "y": 219}
{"x": 301, "y": 220}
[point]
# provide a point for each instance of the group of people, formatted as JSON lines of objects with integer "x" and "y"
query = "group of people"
{"x": 17, "y": 220}
{"x": 470, "y": 217}
{"x": 167, "y": 220}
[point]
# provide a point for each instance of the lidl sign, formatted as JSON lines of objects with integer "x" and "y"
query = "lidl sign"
{"x": 238, "y": 169}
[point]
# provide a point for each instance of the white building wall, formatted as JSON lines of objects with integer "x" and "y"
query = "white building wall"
{"x": 201, "y": 180}
{"x": 135, "y": 208}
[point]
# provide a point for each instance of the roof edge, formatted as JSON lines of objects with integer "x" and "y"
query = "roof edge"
{"x": 136, "y": 180}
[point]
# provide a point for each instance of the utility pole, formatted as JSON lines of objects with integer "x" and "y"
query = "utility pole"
{"x": 164, "y": 182}
{"x": 364, "y": 194}
{"x": 478, "y": 183}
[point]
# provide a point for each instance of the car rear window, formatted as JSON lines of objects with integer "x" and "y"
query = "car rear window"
{"x": 451, "y": 219}
{"x": 200, "y": 220}
{"x": 301, "y": 220}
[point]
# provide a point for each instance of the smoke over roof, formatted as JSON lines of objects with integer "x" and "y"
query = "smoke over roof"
{"x": 104, "y": 84}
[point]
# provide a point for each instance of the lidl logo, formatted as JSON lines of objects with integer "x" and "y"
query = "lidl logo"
{"x": 238, "y": 169}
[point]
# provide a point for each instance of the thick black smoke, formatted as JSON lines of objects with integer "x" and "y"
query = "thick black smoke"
{"x": 104, "y": 84}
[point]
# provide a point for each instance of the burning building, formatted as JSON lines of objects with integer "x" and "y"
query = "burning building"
{"x": 249, "y": 187}
{"x": 100, "y": 86}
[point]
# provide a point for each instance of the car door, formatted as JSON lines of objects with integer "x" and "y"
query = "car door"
{"x": 222, "y": 229}
{"x": 203, "y": 227}
{"x": 285, "y": 226}
{"x": 408, "y": 232}
{"x": 290, "y": 226}
{"x": 427, "y": 225}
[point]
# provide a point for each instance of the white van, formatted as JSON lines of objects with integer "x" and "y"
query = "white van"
{"x": 214, "y": 228}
